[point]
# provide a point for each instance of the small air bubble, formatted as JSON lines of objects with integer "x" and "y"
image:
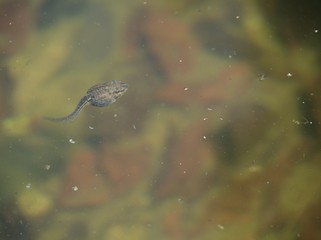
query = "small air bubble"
{"x": 74, "y": 188}
{"x": 185, "y": 89}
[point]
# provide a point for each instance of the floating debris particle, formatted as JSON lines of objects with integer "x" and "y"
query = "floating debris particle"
{"x": 220, "y": 226}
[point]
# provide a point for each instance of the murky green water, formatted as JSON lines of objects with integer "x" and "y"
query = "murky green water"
{"x": 217, "y": 136}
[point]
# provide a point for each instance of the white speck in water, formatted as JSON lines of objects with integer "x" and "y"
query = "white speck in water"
{"x": 72, "y": 141}
{"x": 267, "y": 182}
{"x": 204, "y": 137}
{"x": 28, "y": 186}
{"x": 47, "y": 167}
{"x": 221, "y": 119}
{"x": 306, "y": 121}
{"x": 205, "y": 118}
{"x": 185, "y": 89}
{"x": 263, "y": 77}
{"x": 316, "y": 30}
{"x": 90, "y": 127}
{"x": 74, "y": 188}
{"x": 254, "y": 168}
{"x": 180, "y": 60}
{"x": 115, "y": 115}
{"x": 210, "y": 109}
{"x": 220, "y": 226}
{"x": 289, "y": 74}
{"x": 134, "y": 126}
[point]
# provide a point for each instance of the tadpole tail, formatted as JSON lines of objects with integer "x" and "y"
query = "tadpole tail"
{"x": 72, "y": 115}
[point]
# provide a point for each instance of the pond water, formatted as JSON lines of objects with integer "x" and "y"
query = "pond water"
{"x": 216, "y": 137}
